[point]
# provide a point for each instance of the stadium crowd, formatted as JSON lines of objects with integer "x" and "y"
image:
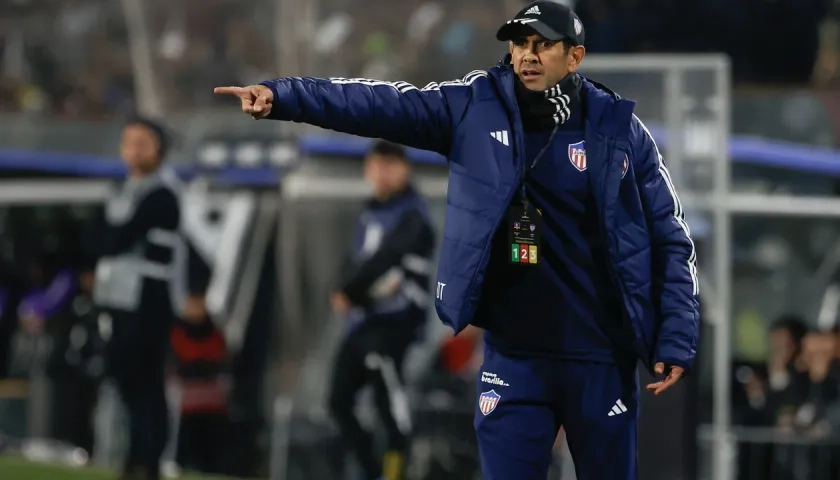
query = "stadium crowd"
{"x": 73, "y": 58}
{"x": 795, "y": 393}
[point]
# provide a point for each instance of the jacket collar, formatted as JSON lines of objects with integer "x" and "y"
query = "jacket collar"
{"x": 503, "y": 75}
{"x": 605, "y": 110}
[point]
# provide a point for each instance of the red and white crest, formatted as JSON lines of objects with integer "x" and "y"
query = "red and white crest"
{"x": 488, "y": 401}
{"x": 577, "y": 155}
{"x": 624, "y": 165}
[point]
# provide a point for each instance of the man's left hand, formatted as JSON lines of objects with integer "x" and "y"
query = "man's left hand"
{"x": 674, "y": 374}
{"x": 340, "y": 303}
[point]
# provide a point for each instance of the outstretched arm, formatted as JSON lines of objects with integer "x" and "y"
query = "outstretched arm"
{"x": 396, "y": 111}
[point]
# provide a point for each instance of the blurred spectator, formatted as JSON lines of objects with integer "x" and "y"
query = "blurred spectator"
{"x": 796, "y": 394}
{"x": 821, "y": 394}
{"x": 51, "y": 287}
{"x": 75, "y": 59}
{"x": 462, "y": 355}
{"x": 140, "y": 242}
{"x": 826, "y": 71}
{"x": 201, "y": 356}
{"x": 443, "y": 414}
{"x": 59, "y": 337}
{"x": 76, "y": 364}
{"x": 384, "y": 300}
{"x": 775, "y": 395}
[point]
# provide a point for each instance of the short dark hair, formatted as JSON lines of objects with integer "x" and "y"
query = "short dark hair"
{"x": 156, "y": 127}
{"x": 567, "y": 44}
{"x": 793, "y": 324}
{"x": 388, "y": 149}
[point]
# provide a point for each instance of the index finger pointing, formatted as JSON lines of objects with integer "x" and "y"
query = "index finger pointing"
{"x": 227, "y": 90}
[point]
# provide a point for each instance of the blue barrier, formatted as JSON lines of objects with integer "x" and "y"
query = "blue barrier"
{"x": 74, "y": 164}
{"x": 746, "y": 150}
{"x": 742, "y": 149}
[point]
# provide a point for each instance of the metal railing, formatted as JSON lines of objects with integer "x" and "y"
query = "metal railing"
{"x": 769, "y": 453}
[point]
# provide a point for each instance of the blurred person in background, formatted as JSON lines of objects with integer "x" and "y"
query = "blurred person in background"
{"x": 50, "y": 287}
{"x": 442, "y": 410}
{"x": 539, "y": 153}
{"x": 458, "y": 358}
{"x": 385, "y": 300}
{"x": 821, "y": 392}
{"x": 778, "y": 394}
{"x": 138, "y": 245}
{"x": 816, "y": 415}
{"x": 201, "y": 357}
{"x": 76, "y": 364}
{"x": 461, "y": 355}
{"x": 774, "y": 394}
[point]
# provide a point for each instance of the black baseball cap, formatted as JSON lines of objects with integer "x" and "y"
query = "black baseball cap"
{"x": 550, "y": 19}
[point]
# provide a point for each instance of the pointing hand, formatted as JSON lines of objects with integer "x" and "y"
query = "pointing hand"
{"x": 256, "y": 99}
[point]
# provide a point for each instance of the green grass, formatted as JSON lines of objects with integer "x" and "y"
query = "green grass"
{"x": 15, "y": 468}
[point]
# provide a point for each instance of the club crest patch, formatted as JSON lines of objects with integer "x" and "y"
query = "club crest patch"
{"x": 488, "y": 401}
{"x": 577, "y": 155}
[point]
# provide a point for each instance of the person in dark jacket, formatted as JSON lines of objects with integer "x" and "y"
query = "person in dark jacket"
{"x": 76, "y": 365}
{"x": 564, "y": 239}
{"x": 385, "y": 300}
{"x": 201, "y": 359}
{"x": 139, "y": 244}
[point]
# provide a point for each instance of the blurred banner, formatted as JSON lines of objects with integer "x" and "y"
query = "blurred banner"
{"x": 67, "y": 67}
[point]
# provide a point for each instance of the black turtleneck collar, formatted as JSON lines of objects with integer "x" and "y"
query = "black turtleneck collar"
{"x": 550, "y": 108}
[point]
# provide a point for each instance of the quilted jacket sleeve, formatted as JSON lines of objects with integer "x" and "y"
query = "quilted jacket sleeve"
{"x": 674, "y": 259}
{"x": 396, "y": 111}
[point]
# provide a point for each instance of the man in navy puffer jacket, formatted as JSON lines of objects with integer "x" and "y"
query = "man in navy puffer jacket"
{"x": 564, "y": 238}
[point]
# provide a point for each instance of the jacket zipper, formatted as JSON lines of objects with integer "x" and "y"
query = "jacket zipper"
{"x": 619, "y": 282}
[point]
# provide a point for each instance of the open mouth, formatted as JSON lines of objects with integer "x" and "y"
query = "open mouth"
{"x": 530, "y": 74}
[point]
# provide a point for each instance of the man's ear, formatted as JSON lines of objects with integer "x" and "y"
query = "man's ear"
{"x": 510, "y": 49}
{"x": 576, "y": 54}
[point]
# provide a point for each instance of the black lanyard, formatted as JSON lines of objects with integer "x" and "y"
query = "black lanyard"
{"x": 526, "y": 169}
